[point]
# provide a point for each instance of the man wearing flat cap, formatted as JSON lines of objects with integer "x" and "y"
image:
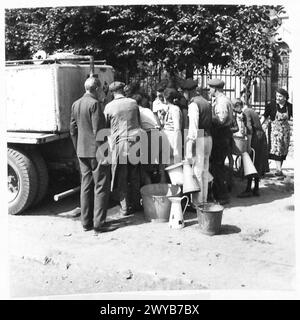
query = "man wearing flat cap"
{"x": 199, "y": 140}
{"x": 184, "y": 86}
{"x": 123, "y": 117}
{"x": 221, "y": 121}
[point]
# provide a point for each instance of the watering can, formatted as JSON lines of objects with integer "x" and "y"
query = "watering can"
{"x": 176, "y": 220}
{"x": 190, "y": 183}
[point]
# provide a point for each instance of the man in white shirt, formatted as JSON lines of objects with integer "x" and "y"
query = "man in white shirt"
{"x": 199, "y": 140}
{"x": 150, "y": 124}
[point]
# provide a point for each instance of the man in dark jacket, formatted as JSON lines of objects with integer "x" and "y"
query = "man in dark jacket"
{"x": 87, "y": 120}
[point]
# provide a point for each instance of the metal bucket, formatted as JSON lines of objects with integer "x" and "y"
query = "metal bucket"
{"x": 155, "y": 201}
{"x": 210, "y": 218}
{"x": 239, "y": 145}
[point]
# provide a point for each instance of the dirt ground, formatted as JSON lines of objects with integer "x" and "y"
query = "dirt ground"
{"x": 51, "y": 255}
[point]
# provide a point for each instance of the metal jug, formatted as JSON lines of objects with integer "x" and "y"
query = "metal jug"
{"x": 190, "y": 183}
{"x": 176, "y": 220}
{"x": 249, "y": 168}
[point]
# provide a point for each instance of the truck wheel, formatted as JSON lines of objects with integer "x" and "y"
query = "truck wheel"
{"x": 42, "y": 176}
{"x": 22, "y": 181}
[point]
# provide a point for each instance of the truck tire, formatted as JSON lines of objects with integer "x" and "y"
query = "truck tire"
{"x": 42, "y": 176}
{"x": 22, "y": 181}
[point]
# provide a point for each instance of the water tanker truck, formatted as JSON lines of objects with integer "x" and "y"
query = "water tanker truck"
{"x": 39, "y": 96}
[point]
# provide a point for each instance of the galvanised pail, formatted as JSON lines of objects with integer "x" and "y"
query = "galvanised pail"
{"x": 155, "y": 200}
{"x": 210, "y": 218}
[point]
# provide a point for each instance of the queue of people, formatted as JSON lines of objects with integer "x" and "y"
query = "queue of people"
{"x": 208, "y": 142}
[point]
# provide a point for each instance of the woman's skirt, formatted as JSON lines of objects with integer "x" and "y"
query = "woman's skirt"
{"x": 260, "y": 146}
{"x": 280, "y": 140}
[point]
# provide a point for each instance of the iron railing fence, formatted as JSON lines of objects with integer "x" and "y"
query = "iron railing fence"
{"x": 262, "y": 91}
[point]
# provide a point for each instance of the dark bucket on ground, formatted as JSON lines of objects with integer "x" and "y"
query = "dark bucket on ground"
{"x": 210, "y": 218}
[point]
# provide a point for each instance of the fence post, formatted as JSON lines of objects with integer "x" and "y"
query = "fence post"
{"x": 274, "y": 80}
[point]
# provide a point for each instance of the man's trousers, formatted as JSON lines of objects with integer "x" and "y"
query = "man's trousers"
{"x": 220, "y": 150}
{"x": 94, "y": 193}
{"x": 201, "y": 168}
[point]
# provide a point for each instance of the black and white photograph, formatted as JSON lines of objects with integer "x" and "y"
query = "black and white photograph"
{"x": 147, "y": 150}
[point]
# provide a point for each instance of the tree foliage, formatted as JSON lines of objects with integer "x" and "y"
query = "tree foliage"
{"x": 173, "y": 37}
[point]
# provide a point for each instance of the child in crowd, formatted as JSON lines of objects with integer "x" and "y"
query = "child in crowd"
{"x": 159, "y": 106}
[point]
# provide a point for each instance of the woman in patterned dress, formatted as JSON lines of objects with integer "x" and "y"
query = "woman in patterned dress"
{"x": 280, "y": 128}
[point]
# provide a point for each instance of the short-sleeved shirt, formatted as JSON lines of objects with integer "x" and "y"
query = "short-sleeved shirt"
{"x": 222, "y": 109}
{"x": 148, "y": 119}
{"x": 173, "y": 118}
{"x": 158, "y": 105}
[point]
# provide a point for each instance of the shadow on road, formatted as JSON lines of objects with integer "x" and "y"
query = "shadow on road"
{"x": 225, "y": 228}
{"x": 229, "y": 229}
{"x": 49, "y": 207}
{"x": 69, "y": 208}
{"x": 271, "y": 189}
{"x": 291, "y": 208}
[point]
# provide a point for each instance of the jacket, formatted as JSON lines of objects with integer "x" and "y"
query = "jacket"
{"x": 86, "y": 120}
